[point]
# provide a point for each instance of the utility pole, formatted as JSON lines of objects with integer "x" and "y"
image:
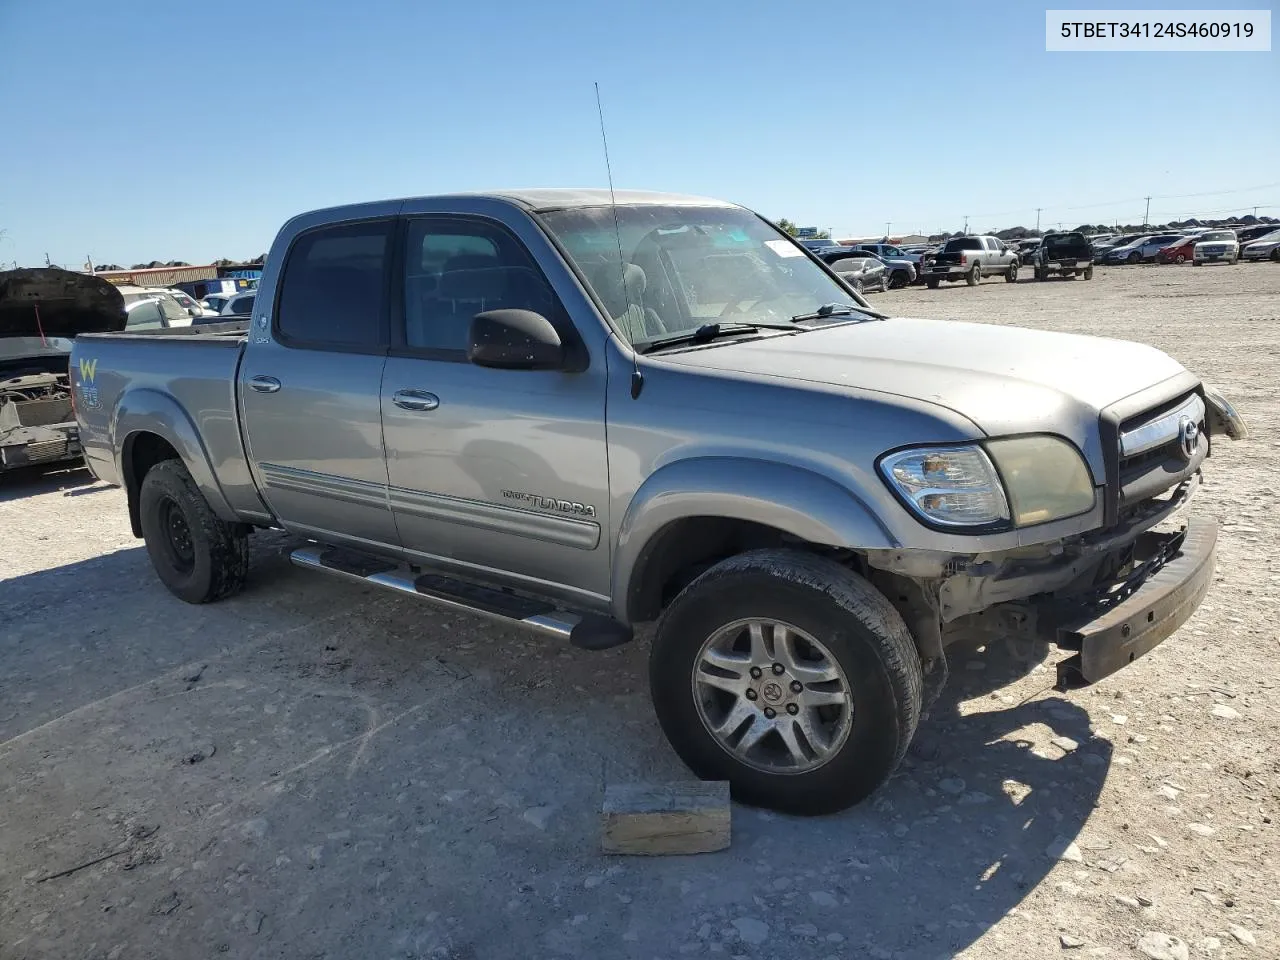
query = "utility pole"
{"x": 46, "y": 259}
{"x": 887, "y": 225}
{"x": 966, "y": 224}
{"x": 1038, "y": 209}
{"x": 1146, "y": 217}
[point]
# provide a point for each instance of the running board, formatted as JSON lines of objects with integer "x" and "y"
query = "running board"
{"x": 590, "y": 631}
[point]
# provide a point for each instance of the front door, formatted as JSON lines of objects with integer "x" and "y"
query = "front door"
{"x": 491, "y": 469}
{"x": 310, "y": 392}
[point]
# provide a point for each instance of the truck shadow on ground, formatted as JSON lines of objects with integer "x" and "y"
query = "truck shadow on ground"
{"x": 30, "y": 481}
{"x": 528, "y": 732}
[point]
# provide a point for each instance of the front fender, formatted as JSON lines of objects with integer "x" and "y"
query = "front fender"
{"x": 150, "y": 411}
{"x": 804, "y": 504}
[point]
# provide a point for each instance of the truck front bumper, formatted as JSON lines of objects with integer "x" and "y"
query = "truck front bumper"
{"x": 1129, "y": 619}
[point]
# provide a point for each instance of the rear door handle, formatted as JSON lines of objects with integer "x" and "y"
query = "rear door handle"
{"x": 264, "y": 384}
{"x": 415, "y": 400}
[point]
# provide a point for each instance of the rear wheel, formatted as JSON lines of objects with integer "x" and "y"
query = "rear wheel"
{"x": 974, "y": 276}
{"x": 196, "y": 554}
{"x": 1088, "y": 272}
{"x": 789, "y": 676}
{"x": 932, "y": 283}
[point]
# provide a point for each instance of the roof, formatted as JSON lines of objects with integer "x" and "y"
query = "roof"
{"x": 558, "y": 198}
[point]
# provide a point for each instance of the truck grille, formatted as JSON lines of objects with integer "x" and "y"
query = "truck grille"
{"x": 1160, "y": 448}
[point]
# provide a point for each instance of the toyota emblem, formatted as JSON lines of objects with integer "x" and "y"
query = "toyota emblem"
{"x": 1188, "y": 437}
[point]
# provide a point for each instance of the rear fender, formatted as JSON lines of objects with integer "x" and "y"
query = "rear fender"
{"x": 806, "y": 505}
{"x": 150, "y": 411}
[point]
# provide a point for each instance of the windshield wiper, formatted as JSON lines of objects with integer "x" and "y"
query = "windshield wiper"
{"x": 711, "y": 331}
{"x": 835, "y": 310}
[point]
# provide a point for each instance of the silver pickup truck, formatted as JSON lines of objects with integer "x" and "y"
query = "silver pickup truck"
{"x": 970, "y": 259}
{"x": 576, "y": 415}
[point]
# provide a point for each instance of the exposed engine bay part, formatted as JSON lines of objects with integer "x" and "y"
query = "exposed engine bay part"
{"x": 40, "y": 311}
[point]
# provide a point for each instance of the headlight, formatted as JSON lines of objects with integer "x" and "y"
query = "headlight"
{"x": 1044, "y": 479}
{"x": 950, "y": 486}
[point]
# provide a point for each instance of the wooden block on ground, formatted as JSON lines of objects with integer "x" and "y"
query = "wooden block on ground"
{"x": 657, "y": 819}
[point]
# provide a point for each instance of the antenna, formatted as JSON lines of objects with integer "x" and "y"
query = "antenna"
{"x": 637, "y": 378}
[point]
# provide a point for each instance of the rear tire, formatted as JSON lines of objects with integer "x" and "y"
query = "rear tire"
{"x": 864, "y": 644}
{"x": 932, "y": 282}
{"x": 974, "y": 276}
{"x": 197, "y": 555}
{"x": 1088, "y": 273}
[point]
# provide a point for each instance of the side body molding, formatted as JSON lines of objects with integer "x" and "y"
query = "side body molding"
{"x": 798, "y": 501}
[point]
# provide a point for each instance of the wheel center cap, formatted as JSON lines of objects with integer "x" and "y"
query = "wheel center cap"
{"x": 772, "y": 692}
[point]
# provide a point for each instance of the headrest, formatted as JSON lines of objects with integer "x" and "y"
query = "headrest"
{"x": 607, "y": 280}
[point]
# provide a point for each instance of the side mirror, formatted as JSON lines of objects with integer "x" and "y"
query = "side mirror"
{"x": 514, "y": 340}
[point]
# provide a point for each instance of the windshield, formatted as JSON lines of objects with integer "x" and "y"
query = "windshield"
{"x": 1218, "y": 235}
{"x": 685, "y": 266}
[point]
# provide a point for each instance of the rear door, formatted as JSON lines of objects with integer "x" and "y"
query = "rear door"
{"x": 309, "y": 394}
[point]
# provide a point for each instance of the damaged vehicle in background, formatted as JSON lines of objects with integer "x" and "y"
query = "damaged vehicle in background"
{"x": 41, "y": 311}
{"x": 1065, "y": 254}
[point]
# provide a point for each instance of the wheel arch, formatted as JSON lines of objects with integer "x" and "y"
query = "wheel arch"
{"x": 150, "y": 427}
{"x": 694, "y": 513}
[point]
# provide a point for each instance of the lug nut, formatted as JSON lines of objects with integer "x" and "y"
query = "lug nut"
{"x": 779, "y": 669}
{"x": 796, "y": 686}
{"x": 792, "y": 709}
{"x": 756, "y": 672}
{"x": 751, "y": 694}
{"x": 768, "y": 712}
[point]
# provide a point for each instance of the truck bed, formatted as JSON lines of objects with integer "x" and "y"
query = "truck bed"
{"x": 123, "y": 381}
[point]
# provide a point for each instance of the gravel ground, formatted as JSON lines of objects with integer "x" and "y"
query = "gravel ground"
{"x": 316, "y": 770}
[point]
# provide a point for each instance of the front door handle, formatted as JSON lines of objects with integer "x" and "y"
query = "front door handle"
{"x": 415, "y": 400}
{"x": 264, "y": 384}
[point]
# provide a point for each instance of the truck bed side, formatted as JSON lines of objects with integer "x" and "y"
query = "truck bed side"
{"x": 143, "y": 397}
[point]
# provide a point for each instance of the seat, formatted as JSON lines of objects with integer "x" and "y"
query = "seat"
{"x": 622, "y": 292}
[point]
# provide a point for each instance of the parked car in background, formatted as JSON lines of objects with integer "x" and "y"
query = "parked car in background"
{"x": 174, "y": 313}
{"x": 1266, "y": 247}
{"x": 1179, "y": 251}
{"x": 819, "y": 245}
{"x": 1026, "y": 249}
{"x": 1140, "y": 249}
{"x": 903, "y": 268}
{"x": 969, "y": 259}
{"x": 1246, "y": 235}
{"x": 864, "y": 273}
{"x": 1068, "y": 255}
{"x": 241, "y": 305}
{"x": 188, "y": 303}
{"x": 1216, "y": 246}
{"x": 149, "y": 314}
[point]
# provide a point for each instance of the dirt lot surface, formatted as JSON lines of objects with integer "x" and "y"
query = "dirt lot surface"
{"x": 315, "y": 770}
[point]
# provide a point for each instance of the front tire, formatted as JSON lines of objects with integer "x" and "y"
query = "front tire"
{"x": 1135, "y": 257}
{"x": 789, "y": 676}
{"x": 1011, "y": 275}
{"x": 197, "y": 555}
{"x": 931, "y": 283}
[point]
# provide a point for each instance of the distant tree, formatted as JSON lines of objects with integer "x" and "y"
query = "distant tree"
{"x": 786, "y": 226}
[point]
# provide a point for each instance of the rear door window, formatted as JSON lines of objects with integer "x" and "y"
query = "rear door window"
{"x": 145, "y": 316}
{"x": 333, "y": 288}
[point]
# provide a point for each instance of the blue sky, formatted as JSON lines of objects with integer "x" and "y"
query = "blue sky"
{"x": 157, "y": 130}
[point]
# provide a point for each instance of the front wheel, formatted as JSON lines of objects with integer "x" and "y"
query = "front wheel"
{"x": 196, "y": 554}
{"x": 1011, "y": 275}
{"x": 974, "y": 276}
{"x": 1135, "y": 257}
{"x": 931, "y": 283}
{"x": 791, "y": 677}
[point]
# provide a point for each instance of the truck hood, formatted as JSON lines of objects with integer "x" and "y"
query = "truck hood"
{"x": 1003, "y": 379}
{"x": 49, "y": 302}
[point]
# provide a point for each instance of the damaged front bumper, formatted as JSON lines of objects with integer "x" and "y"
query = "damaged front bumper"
{"x": 1125, "y": 620}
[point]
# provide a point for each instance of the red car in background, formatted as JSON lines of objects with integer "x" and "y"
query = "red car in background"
{"x": 1179, "y": 251}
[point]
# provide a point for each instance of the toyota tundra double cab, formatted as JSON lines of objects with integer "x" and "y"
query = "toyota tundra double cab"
{"x": 576, "y": 413}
